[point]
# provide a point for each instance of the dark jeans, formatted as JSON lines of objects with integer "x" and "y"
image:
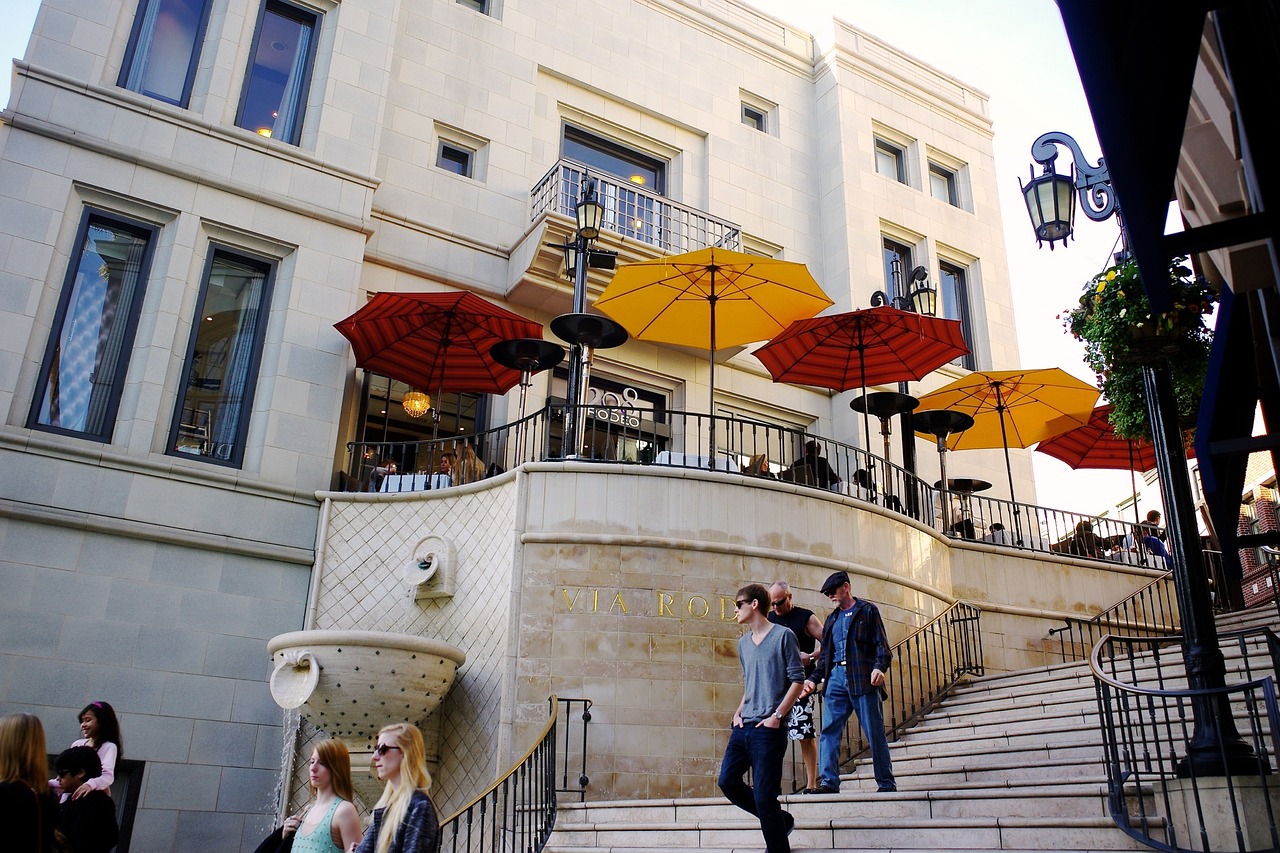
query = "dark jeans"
{"x": 761, "y": 749}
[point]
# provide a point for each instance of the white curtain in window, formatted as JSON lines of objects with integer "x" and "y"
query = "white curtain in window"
{"x": 290, "y": 99}
{"x": 142, "y": 47}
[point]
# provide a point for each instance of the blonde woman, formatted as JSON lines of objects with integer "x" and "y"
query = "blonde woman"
{"x": 470, "y": 467}
{"x": 404, "y": 819}
{"x": 28, "y": 810}
{"x": 330, "y": 824}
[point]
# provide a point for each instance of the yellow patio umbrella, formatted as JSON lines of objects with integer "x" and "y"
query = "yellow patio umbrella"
{"x": 711, "y": 298}
{"x": 1013, "y": 408}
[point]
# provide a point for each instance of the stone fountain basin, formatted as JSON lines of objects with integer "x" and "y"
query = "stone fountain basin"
{"x": 352, "y": 683}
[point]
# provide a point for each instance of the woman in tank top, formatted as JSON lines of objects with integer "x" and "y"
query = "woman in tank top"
{"x": 330, "y": 824}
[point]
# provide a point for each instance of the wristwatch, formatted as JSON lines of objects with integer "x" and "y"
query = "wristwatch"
{"x": 776, "y": 714}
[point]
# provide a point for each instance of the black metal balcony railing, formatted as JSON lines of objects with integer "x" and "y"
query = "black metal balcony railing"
{"x": 1154, "y": 794}
{"x": 681, "y": 440}
{"x": 633, "y": 212}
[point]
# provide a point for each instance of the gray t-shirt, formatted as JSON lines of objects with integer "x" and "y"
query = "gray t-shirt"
{"x": 768, "y": 671}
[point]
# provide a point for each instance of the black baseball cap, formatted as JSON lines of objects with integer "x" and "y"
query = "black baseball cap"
{"x": 837, "y": 580}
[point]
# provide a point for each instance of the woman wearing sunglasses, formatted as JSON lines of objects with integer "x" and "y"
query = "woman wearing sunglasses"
{"x": 404, "y": 820}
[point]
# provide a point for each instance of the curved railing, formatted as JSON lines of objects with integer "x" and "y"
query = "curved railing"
{"x": 678, "y": 439}
{"x": 518, "y": 811}
{"x": 1156, "y": 793}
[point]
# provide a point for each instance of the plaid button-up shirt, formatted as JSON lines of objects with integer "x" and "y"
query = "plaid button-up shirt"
{"x": 866, "y": 647}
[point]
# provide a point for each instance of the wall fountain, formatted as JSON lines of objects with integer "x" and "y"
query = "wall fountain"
{"x": 352, "y": 683}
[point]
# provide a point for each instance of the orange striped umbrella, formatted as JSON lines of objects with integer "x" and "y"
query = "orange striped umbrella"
{"x": 436, "y": 341}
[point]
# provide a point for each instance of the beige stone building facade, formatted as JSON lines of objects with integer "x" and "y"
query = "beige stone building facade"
{"x": 194, "y": 191}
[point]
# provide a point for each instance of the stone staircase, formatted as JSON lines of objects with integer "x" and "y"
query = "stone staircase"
{"x": 1008, "y": 762}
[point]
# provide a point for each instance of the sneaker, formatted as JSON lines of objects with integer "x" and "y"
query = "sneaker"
{"x": 824, "y": 789}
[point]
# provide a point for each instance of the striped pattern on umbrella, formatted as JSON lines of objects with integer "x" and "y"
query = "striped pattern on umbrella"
{"x": 861, "y": 348}
{"x": 438, "y": 342}
{"x": 1096, "y": 445}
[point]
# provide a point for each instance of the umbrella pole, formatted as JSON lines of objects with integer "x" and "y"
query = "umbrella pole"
{"x": 711, "y": 409}
{"x": 1008, "y": 466}
{"x": 866, "y": 418}
{"x": 944, "y": 503}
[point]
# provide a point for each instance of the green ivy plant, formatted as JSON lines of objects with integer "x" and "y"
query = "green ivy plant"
{"x": 1121, "y": 334}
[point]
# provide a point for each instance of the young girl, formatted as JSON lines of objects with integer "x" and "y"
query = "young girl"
{"x": 331, "y": 824}
{"x": 100, "y": 730}
{"x": 404, "y": 820}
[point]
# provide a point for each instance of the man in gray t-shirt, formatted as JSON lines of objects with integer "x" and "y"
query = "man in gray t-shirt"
{"x": 772, "y": 679}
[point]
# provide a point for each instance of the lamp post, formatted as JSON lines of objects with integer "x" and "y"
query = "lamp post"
{"x": 1215, "y": 747}
{"x": 588, "y": 214}
{"x": 921, "y": 299}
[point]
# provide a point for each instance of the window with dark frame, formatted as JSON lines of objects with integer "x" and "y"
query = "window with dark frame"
{"x": 454, "y": 158}
{"x": 897, "y": 266}
{"x": 274, "y": 99}
{"x": 481, "y": 6}
{"x": 942, "y": 184}
{"x": 164, "y": 49}
{"x": 220, "y": 373}
{"x": 953, "y": 303}
{"x": 84, "y": 366}
{"x": 755, "y": 118}
{"x": 891, "y": 161}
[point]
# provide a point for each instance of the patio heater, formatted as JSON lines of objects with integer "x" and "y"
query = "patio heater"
{"x": 941, "y": 423}
{"x": 1215, "y": 747}
{"x": 588, "y": 215}
{"x": 529, "y": 356}
{"x": 922, "y": 299}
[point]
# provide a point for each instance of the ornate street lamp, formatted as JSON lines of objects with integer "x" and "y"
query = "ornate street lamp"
{"x": 588, "y": 214}
{"x": 921, "y": 299}
{"x": 1051, "y": 197}
{"x": 1215, "y": 747}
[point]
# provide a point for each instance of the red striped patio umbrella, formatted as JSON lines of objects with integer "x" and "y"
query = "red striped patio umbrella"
{"x": 1096, "y": 445}
{"x": 438, "y": 342}
{"x": 861, "y": 348}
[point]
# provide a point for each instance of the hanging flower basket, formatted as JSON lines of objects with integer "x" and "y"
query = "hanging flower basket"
{"x": 1121, "y": 335}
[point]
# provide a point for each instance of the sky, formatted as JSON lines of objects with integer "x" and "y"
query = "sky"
{"x": 1016, "y": 52}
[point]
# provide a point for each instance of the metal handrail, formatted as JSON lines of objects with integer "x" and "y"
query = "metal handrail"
{"x": 517, "y": 812}
{"x": 1156, "y": 796}
{"x": 678, "y": 439}
{"x": 929, "y": 663}
{"x": 633, "y": 212}
{"x": 1150, "y": 611}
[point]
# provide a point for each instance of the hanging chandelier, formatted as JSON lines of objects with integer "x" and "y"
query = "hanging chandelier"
{"x": 416, "y": 404}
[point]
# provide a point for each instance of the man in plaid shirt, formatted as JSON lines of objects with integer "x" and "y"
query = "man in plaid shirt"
{"x": 855, "y": 657}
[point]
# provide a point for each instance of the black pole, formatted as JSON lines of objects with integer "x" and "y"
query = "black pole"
{"x": 571, "y": 444}
{"x": 1215, "y": 747}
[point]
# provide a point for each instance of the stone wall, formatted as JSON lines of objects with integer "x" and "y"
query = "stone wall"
{"x": 620, "y": 583}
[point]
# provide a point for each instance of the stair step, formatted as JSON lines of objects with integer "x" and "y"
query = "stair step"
{"x": 858, "y": 833}
{"x": 1009, "y": 762}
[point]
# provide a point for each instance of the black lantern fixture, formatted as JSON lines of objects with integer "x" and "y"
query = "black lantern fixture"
{"x": 922, "y": 299}
{"x": 1215, "y": 747}
{"x": 1051, "y": 197}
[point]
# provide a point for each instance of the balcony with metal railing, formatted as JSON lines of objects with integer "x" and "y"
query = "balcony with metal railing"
{"x": 633, "y": 212}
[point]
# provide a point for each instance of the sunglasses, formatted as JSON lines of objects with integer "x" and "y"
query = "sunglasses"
{"x": 779, "y": 602}
{"x": 738, "y": 605}
{"x": 384, "y": 748}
